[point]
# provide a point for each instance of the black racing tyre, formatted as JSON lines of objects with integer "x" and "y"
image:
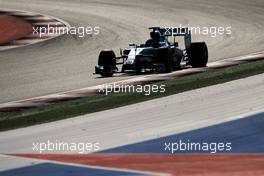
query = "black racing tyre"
{"x": 108, "y": 61}
{"x": 107, "y": 72}
{"x": 198, "y": 54}
{"x": 107, "y": 57}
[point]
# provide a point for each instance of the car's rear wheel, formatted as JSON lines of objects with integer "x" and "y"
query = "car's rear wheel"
{"x": 198, "y": 54}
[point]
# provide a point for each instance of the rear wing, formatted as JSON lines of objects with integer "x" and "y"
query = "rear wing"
{"x": 175, "y": 32}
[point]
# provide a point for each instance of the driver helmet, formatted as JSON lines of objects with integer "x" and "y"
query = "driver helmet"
{"x": 155, "y": 35}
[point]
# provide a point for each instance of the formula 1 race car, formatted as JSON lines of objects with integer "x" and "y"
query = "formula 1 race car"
{"x": 158, "y": 54}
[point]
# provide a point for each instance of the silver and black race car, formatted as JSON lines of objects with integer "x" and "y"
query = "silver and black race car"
{"x": 158, "y": 54}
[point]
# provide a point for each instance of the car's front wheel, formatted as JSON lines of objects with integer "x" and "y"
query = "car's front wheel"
{"x": 107, "y": 63}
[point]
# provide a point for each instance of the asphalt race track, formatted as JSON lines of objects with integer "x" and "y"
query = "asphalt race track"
{"x": 67, "y": 62}
{"x": 231, "y": 112}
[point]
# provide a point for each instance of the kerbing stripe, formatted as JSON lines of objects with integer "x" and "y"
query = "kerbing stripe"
{"x": 40, "y": 23}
